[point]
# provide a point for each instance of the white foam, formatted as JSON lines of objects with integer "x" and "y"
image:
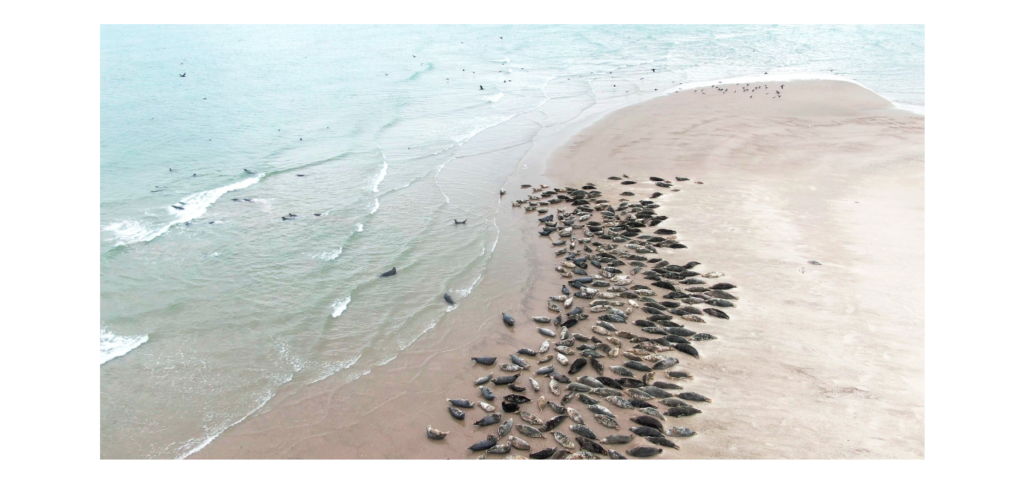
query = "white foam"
{"x": 375, "y": 184}
{"x": 375, "y": 206}
{"x": 193, "y": 445}
{"x": 339, "y": 307}
{"x": 359, "y": 227}
{"x": 497, "y": 97}
{"x": 328, "y": 256}
{"x": 113, "y": 346}
{"x": 128, "y": 232}
{"x": 332, "y": 368}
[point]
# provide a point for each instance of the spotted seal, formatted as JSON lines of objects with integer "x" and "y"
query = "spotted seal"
{"x": 680, "y": 432}
{"x": 529, "y": 431}
{"x": 583, "y": 430}
{"x": 456, "y": 413}
{"x": 436, "y": 433}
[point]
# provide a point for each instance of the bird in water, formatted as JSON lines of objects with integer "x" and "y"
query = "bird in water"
{"x": 481, "y": 87}
{"x": 463, "y": 222}
{"x": 182, "y": 75}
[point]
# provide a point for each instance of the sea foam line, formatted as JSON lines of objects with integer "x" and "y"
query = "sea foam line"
{"x": 128, "y": 232}
{"x": 339, "y": 307}
{"x": 113, "y": 346}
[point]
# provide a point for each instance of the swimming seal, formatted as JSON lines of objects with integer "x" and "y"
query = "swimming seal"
{"x": 448, "y": 298}
{"x": 389, "y": 272}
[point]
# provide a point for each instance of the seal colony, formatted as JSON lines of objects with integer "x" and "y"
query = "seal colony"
{"x": 628, "y": 364}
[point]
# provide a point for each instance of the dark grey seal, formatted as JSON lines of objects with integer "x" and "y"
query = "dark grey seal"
{"x": 389, "y": 272}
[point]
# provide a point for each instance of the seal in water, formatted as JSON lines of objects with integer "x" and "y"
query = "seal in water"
{"x": 456, "y": 413}
{"x": 448, "y": 298}
{"x": 487, "y": 361}
{"x": 435, "y": 435}
{"x": 389, "y": 272}
{"x": 507, "y": 319}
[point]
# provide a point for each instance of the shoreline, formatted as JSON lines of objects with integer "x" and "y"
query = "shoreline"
{"x": 332, "y": 420}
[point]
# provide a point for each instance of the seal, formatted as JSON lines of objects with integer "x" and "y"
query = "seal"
{"x": 615, "y": 455}
{"x": 543, "y": 454}
{"x": 487, "y": 361}
{"x": 486, "y": 393}
{"x": 462, "y": 403}
{"x": 661, "y": 441}
{"x": 518, "y": 443}
{"x": 618, "y": 439}
{"x": 505, "y": 379}
{"x": 530, "y": 418}
{"x": 456, "y": 413}
{"x": 591, "y": 445}
{"x": 644, "y": 451}
{"x": 505, "y": 428}
{"x": 553, "y": 423}
{"x": 692, "y": 396}
{"x": 577, "y": 365}
{"x": 486, "y": 444}
{"x": 509, "y": 407}
{"x": 680, "y": 432}
{"x": 389, "y": 272}
{"x": 583, "y": 431}
{"x": 646, "y": 431}
{"x": 682, "y": 411}
{"x": 563, "y": 440}
{"x": 448, "y": 298}
{"x": 507, "y": 319}
{"x": 489, "y": 420}
{"x": 436, "y": 433}
{"x": 648, "y": 421}
{"x": 529, "y": 431}
{"x": 499, "y": 449}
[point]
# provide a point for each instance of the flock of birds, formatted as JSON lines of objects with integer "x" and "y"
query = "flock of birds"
{"x": 600, "y": 236}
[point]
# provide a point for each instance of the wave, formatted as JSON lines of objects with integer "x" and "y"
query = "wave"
{"x": 375, "y": 184}
{"x": 193, "y": 445}
{"x": 328, "y": 256}
{"x": 359, "y": 227}
{"x": 339, "y": 307}
{"x": 113, "y": 346}
{"x": 332, "y": 368}
{"x": 375, "y": 206}
{"x": 497, "y": 97}
{"x": 127, "y": 232}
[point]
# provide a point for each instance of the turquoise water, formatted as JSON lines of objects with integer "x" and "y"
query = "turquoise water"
{"x": 207, "y": 311}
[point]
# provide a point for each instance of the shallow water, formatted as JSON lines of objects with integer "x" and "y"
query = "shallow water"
{"x": 210, "y": 310}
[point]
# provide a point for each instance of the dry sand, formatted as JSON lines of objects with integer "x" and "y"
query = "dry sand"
{"x": 817, "y": 361}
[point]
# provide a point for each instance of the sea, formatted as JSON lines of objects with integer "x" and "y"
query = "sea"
{"x": 256, "y": 180}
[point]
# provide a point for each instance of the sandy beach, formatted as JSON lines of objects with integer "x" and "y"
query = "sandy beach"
{"x": 817, "y": 361}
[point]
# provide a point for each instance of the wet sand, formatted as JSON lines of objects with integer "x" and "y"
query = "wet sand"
{"x": 817, "y": 361}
